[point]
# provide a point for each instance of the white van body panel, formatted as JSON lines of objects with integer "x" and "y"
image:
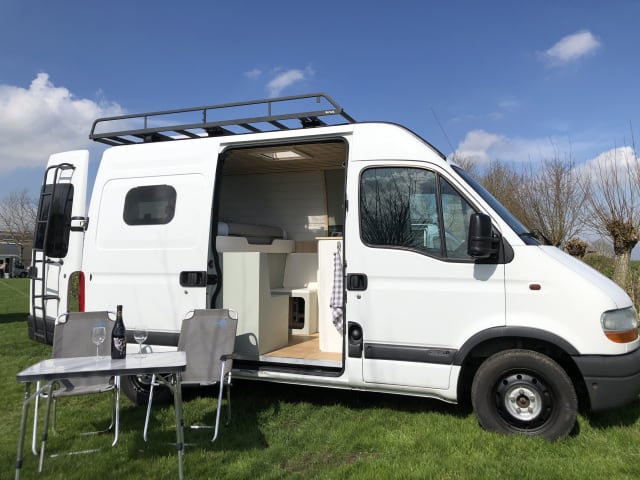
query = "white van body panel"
{"x": 570, "y": 301}
{"x": 385, "y": 141}
{"x": 139, "y": 266}
{"x": 345, "y": 381}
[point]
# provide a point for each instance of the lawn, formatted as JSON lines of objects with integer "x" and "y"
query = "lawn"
{"x": 281, "y": 431}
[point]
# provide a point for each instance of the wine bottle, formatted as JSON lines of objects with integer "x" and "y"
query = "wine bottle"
{"x": 118, "y": 336}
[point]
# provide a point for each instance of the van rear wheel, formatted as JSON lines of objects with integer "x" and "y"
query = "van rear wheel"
{"x": 137, "y": 387}
{"x": 522, "y": 391}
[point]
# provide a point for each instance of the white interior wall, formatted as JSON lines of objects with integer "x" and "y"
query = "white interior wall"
{"x": 334, "y": 180}
{"x": 293, "y": 201}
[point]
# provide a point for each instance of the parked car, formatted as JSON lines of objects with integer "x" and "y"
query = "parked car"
{"x": 11, "y": 266}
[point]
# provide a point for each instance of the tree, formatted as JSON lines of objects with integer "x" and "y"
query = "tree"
{"x": 555, "y": 199}
{"x": 576, "y": 247}
{"x": 504, "y": 183}
{"x": 602, "y": 246}
{"x": 613, "y": 196}
{"x": 467, "y": 164}
{"x": 18, "y": 218}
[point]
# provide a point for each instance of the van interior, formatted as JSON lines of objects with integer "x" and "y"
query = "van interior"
{"x": 279, "y": 215}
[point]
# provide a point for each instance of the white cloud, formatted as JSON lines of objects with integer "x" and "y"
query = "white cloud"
{"x": 255, "y": 73}
{"x": 622, "y": 160}
{"x": 478, "y": 145}
{"x": 44, "y": 119}
{"x": 481, "y": 147}
{"x": 286, "y": 79}
{"x": 283, "y": 80}
{"x": 571, "y": 48}
{"x": 509, "y": 104}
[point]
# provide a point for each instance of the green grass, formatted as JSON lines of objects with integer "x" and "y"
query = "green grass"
{"x": 281, "y": 431}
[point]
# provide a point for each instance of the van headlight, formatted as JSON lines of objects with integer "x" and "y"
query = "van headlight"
{"x": 620, "y": 326}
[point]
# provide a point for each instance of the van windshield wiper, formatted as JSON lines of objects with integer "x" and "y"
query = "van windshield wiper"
{"x": 536, "y": 235}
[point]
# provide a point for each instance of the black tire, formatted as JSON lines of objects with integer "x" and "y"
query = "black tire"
{"x": 526, "y": 392}
{"x": 137, "y": 387}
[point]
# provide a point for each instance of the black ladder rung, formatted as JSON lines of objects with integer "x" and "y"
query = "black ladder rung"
{"x": 47, "y": 297}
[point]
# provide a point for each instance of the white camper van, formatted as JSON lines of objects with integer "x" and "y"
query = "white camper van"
{"x": 355, "y": 254}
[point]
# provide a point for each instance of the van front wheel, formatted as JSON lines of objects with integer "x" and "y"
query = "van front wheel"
{"x": 522, "y": 391}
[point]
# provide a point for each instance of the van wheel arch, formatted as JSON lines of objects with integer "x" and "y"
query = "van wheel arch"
{"x": 481, "y": 351}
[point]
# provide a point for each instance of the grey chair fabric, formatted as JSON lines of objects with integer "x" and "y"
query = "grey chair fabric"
{"x": 208, "y": 339}
{"x": 72, "y": 338}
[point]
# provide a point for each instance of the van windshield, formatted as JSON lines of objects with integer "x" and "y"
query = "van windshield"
{"x": 522, "y": 231}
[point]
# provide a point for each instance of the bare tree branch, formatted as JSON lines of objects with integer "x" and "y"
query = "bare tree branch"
{"x": 18, "y": 217}
{"x": 614, "y": 205}
{"x": 555, "y": 199}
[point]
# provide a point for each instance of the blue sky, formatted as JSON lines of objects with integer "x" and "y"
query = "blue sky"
{"x": 507, "y": 80}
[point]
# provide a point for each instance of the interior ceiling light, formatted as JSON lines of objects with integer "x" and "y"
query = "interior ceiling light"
{"x": 282, "y": 155}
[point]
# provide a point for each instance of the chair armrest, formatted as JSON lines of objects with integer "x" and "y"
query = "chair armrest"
{"x": 228, "y": 356}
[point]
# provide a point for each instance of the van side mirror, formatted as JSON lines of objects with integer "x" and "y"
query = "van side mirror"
{"x": 481, "y": 243}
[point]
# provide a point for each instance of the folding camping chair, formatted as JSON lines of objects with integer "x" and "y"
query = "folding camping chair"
{"x": 72, "y": 338}
{"x": 208, "y": 338}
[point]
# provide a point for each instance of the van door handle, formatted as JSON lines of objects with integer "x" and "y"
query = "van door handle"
{"x": 356, "y": 281}
{"x": 193, "y": 279}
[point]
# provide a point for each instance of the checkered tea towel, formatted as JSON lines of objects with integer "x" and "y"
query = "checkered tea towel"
{"x": 337, "y": 292}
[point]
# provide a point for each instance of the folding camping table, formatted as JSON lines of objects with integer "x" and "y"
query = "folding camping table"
{"x": 52, "y": 370}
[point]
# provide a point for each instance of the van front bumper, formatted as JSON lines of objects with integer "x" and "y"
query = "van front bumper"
{"x": 611, "y": 380}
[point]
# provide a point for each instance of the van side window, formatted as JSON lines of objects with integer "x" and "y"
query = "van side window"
{"x": 150, "y": 205}
{"x": 59, "y": 220}
{"x": 415, "y": 209}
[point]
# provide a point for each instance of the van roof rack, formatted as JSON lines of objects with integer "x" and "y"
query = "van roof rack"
{"x": 283, "y": 113}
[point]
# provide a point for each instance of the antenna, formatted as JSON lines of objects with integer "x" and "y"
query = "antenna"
{"x": 442, "y": 129}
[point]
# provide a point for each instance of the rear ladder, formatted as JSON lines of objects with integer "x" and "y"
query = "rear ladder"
{"x": 39, "y": 256}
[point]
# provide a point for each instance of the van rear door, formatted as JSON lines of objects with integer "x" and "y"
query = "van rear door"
{"x": 58, "y": 240}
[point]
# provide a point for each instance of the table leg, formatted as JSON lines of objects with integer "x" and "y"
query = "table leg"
{"x": 117, "y": 412}
{"x": 36, "y": 414}
{"x": 177, "y": 400}
{"x": 45, "y": 428}
{"x": 23, "y": 426}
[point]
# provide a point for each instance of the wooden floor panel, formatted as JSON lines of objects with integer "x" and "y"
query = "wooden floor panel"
{"x": 306, "y": 347}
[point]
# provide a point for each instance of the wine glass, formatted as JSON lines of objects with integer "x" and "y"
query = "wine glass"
{"x": 140, "y": 334}
{"x": 98, "y": 335}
